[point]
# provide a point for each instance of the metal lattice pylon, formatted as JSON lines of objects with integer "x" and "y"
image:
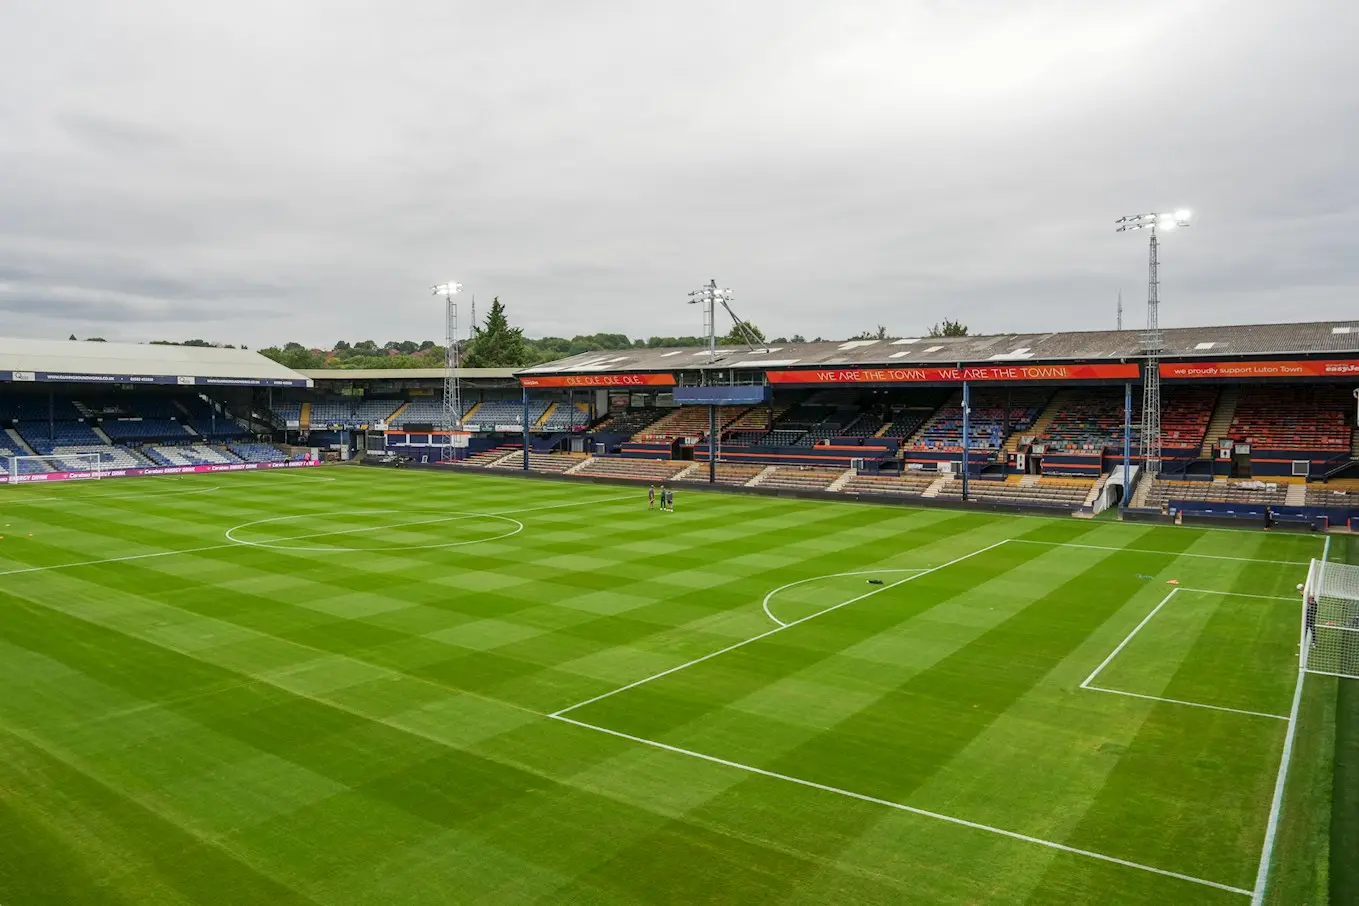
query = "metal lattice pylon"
{"x": 1152, "y": 344}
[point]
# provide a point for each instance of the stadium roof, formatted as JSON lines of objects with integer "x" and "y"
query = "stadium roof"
{"x": 400, "y": 374}
{"x": 1225, "y": 342}
{"x": 67, "y": 361}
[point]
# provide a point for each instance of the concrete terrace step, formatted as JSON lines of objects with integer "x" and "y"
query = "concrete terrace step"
{"x": 755, "y": 482}
{"x": 936, "y": 486}
{"x": 839, "y": 483}
{"x": 580, "y": 465}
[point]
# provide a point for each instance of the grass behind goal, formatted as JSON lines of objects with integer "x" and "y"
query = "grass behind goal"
{"x": 340, "y": 688}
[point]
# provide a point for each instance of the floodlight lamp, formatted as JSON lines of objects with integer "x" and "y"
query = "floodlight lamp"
{"x": 1168, "y": 225}
{"x": 1182, "y": 216}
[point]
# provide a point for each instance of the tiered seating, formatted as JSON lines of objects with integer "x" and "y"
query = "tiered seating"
{"x": 423, "y": 410}
{"x": 795, "y": 478}
{"x": 687, "y": 421}
{"x": 732, "y": 473}
{"x": 190, "y": 455}
{"x": 486, "y": 457}
{"x": 1335, "y": 493}
{"x": 945, "y": 430}
{"x": 34, "y": 407}
{"x": 637, "y": 469}
{"x": 506, "y": 412}
{"x": 1185, "y": 414}
{"x": 350, "y": 412}
{"x": 1293, "y": 418}
{"x": 1245, "y": 492}
{"x": 789, "y": 430}
{"x": 1054, "y": 492}
{"x": 910, "y": 484}
{"x": 253, "y": 452}
{"x": 907, "y": 422}
{"x": 567, "y": 418}
{"x": 66, "y": 434}
{"x": 544, "y": 462}
{"x": 288, "y": 411}
{"x": 109, "y": 457}
{"x": 781, "y": 437}
{"x": 143, "y": 428}
{"x": 1090, "y": 420}
{"x": 629, "y": 421}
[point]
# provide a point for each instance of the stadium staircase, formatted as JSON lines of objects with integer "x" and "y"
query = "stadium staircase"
{"x": 18, "y": 443}
{"x": 547, "y": 413}
{"x": 1354, "y": 443}
{"x": 467, "y": 417}
{"x": 1297, "y": 495}
{"x": 580, "y": 465}
{"x": 1221, "y": 421}
{"x": 765, "y": 473}
{"x": 1040, "y": 426}
{"x": 684, "y": 475}
{"x": 399, "y": 410}
{"x": 304, "y": 418}
{"x": 936, "y": 486}
{"x": 99, "y": 433}
{"x": 839, "y": 483}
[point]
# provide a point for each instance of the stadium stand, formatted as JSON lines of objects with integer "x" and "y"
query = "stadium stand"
{"x": 142, "y": 429}
{"x": 629, "y": 421}
{"x": 1244, "y": 492}
{"x": 1293, "y": 417}
{"x": 506, "y": 412}
{"x": 688, "y": 421}
{"x": 257, "y": 452}
{"x": 728, "y": 473}
{"x": 190, "y": 455}
{"x": 795, "y": 478}
{"x": 1029, "y": 491}
{"x": 544, "y": 462}
{"x": 62, "y": 434}
{"x": 908, "y": 484}
{"x": 635, "y": 469}
{"x": 487, "y": 457}
{"x": 351, "y": 413}
{"x": 988, "y": 422}
{"x": 565, "y": 417}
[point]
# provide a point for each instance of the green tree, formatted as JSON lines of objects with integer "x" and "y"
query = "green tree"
{"x": 797, "y": 338}
{"x": 294, "y": 356}
{"x": 948, "y": 328}
{"x": 95, "y": 340}
{"x": 496, "y": 344}
{"x": 735, "y": 337}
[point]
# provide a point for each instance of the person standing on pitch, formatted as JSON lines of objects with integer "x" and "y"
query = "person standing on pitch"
{"x": 651, "y": 497}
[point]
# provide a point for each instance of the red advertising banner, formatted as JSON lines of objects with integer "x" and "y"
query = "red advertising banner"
{"x": 600, "y": 380}
{"x": 958, "y": 375}
{"x": 1319, "y": 368}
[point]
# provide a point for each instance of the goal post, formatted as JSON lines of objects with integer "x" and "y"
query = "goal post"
{"x": 92, "y": 464}
{"x": 1330, "y": 623}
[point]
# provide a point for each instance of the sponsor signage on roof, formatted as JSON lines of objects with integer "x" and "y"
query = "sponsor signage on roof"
{"x": 957, "y": 375}
{"x": 1318, "y": 368}
{"x": 600, "y": 380}
{"x": 68, "y": 377}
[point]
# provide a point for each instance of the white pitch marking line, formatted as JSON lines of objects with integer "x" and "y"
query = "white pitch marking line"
{"x": 83, "y": 498}
{"x": 1180, "y": 701}
{"x": 1239, "y": 594}
{"x": 1121, "y": 645}
{"x": 1014, "y": 835}
{"x": 780, "y": 628}
{"x": 1276, "y": 803}
{"x": 1135, "y": 550}
{"x": 218, "y": 547}
{"x": 859, "y": 572}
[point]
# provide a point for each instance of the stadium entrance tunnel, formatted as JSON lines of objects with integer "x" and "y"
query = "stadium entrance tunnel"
{"x": 374, "y": 531}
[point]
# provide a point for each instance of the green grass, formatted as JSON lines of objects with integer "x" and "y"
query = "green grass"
{"x": 350, "y": 702}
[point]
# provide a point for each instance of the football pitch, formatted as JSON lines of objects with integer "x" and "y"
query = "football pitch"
{"x": 359, "y": 686}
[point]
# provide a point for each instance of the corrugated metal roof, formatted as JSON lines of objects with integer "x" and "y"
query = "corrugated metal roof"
{"x": 70, "y": 357}
{"x": 399, "y": 374}
{"x": 1230, "y": 341}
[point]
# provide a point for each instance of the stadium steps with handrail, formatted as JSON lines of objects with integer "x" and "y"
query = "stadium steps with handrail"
{"x": 1221, "y": 420}
{"x": 580, "y": 465}
{"x": 936, "y": 486}
{"x": 99, "y": 433}
{"x": 1040, "y": 425}
{"x": 399, "y": 409}
{"x": 467, "y": 416}
{"x": 547, "y": 413}
{"x": 304, "y": 416}
{"x": 839, "y": 483}
{"x": 765, "y": 473}
{"x": 19, "y": 443}
{"x": 1296, "y": 495}
{"x": 886, "y": 426}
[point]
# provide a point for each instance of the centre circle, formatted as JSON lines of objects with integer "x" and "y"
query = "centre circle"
{"x": 393, "y": 520}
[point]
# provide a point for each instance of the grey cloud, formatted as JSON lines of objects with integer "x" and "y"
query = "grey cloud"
{"x": 838, "y": 165}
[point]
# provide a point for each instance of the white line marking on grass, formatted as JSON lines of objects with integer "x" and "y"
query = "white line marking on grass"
{"x": 218, "y": 547}
{"x": 1179, "y": 701}
{"x": 861, "y": 572}
{"x": 962, "y": 822}
{"x": 1085, "y": 684}
{"x": 1135, "y": 550}
{"x": 1239, "y": 594}
{"x": 1276, "y": 803}
{"x": 82, "y": 498}
{"x": 780, "y": 628}
{"x": 280, "y": 543}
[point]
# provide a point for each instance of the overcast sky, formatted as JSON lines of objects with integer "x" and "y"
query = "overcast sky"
{"x": 260, "y": 171}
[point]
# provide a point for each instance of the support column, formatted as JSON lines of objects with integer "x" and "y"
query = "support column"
{"x": 1127, "y": 444}
{"x": 967, "y": 430}
{"x": 712, "y": 445}
{"x": 526, "y": 431}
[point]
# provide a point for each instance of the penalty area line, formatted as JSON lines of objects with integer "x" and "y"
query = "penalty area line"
{"x": 779, "y": 628}
{"x": 924, "y": 813}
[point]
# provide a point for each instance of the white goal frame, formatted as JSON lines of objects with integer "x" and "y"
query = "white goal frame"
{"x": 91, "y": 463}
{"x": 1330, "y": 620}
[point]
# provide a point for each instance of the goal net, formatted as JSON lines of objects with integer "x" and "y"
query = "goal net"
{"x": 1331, "y": 619}
{"x": 92, "y": 464}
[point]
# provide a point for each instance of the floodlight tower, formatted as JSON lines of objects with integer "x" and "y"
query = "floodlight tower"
{"x": 708, "y": 296}
{"x": 451, "y": 416}
{"x": 1152, "y": 341}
